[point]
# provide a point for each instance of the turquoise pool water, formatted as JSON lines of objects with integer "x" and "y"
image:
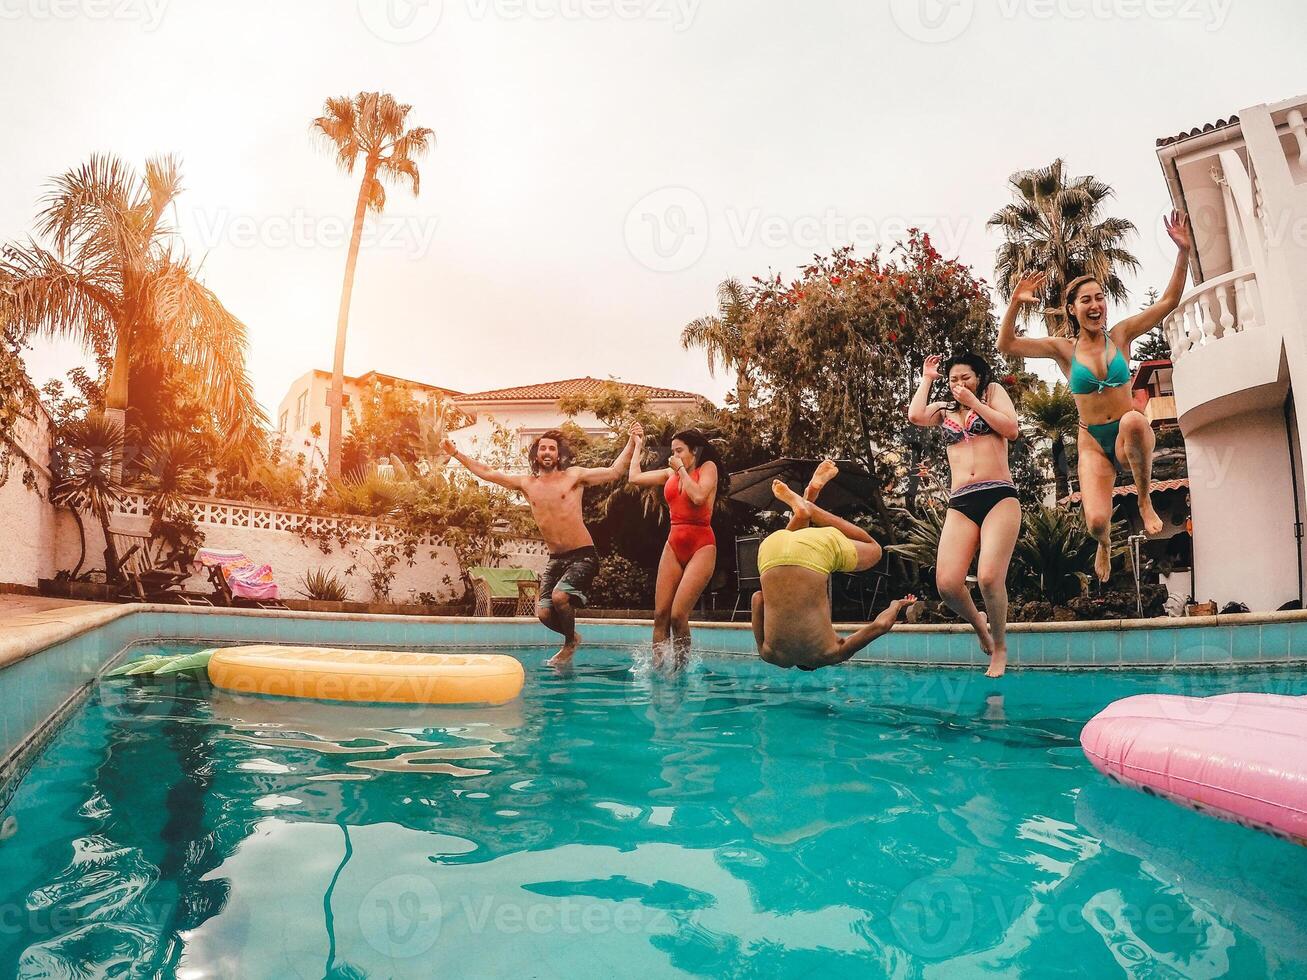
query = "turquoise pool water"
{"x": 735, "y": 821}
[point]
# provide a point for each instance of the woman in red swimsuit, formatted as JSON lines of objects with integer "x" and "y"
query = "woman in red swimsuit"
{"x": 690, "y": 482}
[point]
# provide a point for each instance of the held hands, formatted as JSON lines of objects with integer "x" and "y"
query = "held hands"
{"x": 930, "y": 370}
{"x": 1030, "y": 290}
{"x": 447, "y": 446}
{"x": 1177, "y": 226}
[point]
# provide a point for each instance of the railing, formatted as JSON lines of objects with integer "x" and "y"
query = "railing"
{"x": 226, "y": 513}
{"x": 1228, "y": 304}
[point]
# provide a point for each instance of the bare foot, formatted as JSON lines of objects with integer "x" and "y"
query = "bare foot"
{"x": 1103, "y": 563}
{"x": 1152, "y": 523}
{"x": 787, "y": 496}
{"x": 890, "y": 616}
{"x": 826, "y": 471}
{"x": 563, "y": 658}
{"x": 985, "y": 636}
{"x": 997, "y": 663}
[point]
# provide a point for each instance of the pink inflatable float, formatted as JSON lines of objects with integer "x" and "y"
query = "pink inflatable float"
{"x": 1241, "y": 757}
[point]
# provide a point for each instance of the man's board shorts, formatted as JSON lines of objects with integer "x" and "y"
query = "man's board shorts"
{"x": 571, "y": 572}
{"x": 823, "y": 549}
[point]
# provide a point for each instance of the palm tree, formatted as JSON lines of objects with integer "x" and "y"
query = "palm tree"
{"x": 722, "y": 338}
{"x": 1055, "y": 225}
{"x": 116, "y": 278}
{"x": 371, "y": 125}
{"x": 1051, "y": 413}
{"x": 85, "y": 464}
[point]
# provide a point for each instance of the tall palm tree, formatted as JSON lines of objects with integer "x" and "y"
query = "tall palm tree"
{"x": 722, "y": 338}
{"x": 1055, "y": 225}
{"x": 115, "y": 277}
{"x": 1051, "y": 414}
{"x": 370, "y": 126}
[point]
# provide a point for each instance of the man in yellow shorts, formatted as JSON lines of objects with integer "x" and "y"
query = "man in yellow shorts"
{"x": 791, "y": 613}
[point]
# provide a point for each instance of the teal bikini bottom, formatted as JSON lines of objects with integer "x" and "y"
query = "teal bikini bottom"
{"x": 1105, "y": 435}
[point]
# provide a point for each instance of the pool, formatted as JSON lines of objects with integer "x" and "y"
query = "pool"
{"x": 737, "y": 820}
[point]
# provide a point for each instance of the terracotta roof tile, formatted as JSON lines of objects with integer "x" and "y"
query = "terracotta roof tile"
{"x": 1197, "y": 131}
{"x": 553, "y": 390}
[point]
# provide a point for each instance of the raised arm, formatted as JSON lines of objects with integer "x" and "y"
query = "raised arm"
{"x": 635, "y": 475}
{"x": 480, "y": 469}
{"x": 878, "y": 627}
{"x": 1027, "y": 292}
{"x": 700, "y": 490}
{"x": 922, "y": 411}
{"x": 611, "y": 474}
{"x": 1133, "y": 327}
{"x": 996, "y": 408}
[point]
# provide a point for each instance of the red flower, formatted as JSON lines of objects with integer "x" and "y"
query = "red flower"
{"x": 893, "y": 338}
{"x": 1009, "y": 379}
{"x": 835, "y": 280}
{"x": 903, "y": 319}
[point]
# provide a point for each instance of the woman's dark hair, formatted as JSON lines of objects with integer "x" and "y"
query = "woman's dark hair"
{"x": 705, "y": 452}
{"x": 564, "y": 450}
{"x": 1069, "y": 297}
{"x": 984, "y": 373}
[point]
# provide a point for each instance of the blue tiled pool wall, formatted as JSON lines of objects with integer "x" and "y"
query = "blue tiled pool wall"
{"x": 31, "y": 690}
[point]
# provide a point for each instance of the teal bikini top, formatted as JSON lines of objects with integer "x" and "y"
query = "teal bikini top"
{"x": 1085, "y": 382}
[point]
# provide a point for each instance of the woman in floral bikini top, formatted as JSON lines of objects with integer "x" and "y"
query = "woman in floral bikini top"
{"x": 983, "y": 513}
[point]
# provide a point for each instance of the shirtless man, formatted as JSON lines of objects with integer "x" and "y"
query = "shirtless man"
{"x": 791, "y": 613}
{"x": 553, "y": 489}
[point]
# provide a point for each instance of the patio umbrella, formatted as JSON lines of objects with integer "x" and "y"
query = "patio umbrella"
{"x": 848, "y": 495}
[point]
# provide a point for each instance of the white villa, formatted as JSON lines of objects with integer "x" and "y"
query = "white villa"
{"x": 526, "y": 410}
{"x": 1239, "y": 348}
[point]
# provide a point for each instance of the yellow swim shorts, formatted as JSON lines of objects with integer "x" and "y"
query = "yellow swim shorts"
{"x": 823, "y": 549}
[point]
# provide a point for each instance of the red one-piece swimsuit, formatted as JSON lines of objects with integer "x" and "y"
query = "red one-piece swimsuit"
{"x": 691, "y": 525}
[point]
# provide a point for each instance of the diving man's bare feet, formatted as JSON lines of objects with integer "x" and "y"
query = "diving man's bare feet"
{"x": 563, "y": 658}
{"x": 826, "y": 471}
{"x": 788, "y": 497}
{"x": 997, "y": 662}
{"x": 985, "y": 636}
{"x": 1152, "y": 523}
{"x": 1103, "y": 563}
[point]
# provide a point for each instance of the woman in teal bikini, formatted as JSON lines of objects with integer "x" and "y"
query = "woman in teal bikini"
{"x": 1095, "y": 361}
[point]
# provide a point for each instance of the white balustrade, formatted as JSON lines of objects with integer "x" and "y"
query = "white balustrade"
{"x": 1193, "y": 324}
{"x": 225, "y": 513}
{"x": 1299, "y": 129}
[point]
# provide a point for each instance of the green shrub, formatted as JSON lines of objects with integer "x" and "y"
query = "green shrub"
{"x": 322, "y": 584}
{"x": 621, "y": 584}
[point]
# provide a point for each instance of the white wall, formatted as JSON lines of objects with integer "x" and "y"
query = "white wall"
{"x": 1241, "y": 491}
{"x": 26, "y": 520}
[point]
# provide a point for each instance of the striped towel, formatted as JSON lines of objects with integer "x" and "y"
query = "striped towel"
{"x": 245, "y": 579}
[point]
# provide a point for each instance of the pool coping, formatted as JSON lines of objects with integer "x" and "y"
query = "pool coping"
{"x": 52, "y": 627}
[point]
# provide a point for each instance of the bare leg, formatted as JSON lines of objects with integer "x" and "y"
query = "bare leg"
{"x": 564, "y": 621}
{"x": 815, "y": 515}
{"x": 825, "y": 472}
{"x": 998, "y": 536}
{"x": 1097, "y": 475}
{"x": 669, "y": 577}
{"x": 1134, "y": 444}
{"x": 697, "y": 575}
{"x": 957, "y": 547}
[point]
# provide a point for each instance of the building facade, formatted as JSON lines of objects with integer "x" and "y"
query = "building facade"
{"x": 1239, "y": 349}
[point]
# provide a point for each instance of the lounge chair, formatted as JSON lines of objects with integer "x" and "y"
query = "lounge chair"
{"x": 504, "y": 591}
{"x": 238, "y": 581}
{"x": 145, "y": 575}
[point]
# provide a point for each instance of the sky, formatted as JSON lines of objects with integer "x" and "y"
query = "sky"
{"x": 600, "y": 166}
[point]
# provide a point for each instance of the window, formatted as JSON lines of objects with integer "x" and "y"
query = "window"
{"x": 301, "y": 409}
{"x": 281, "y": 423}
